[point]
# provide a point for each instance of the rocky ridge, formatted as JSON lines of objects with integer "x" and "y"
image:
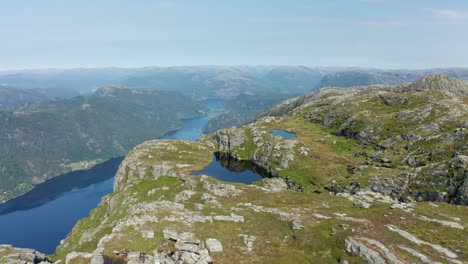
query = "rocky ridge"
{"x": 12, "y": 255}
{"x": 341, "y": 192}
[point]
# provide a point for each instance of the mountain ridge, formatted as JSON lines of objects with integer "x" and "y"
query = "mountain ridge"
{"x": 351, "y": 187}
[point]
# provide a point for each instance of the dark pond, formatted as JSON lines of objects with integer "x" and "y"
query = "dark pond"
{"x": 42, "y": 217}
{"x": 225, "y": 168}
{"x": 283, "y": 133}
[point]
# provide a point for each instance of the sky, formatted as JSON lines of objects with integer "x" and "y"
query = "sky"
{"x": 134, "y": 33}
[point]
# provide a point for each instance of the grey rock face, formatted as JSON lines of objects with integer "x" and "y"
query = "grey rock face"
{"x": 190, "y": 250}
{"x": 432, "y": 196}
{"x": 462, "y": 193}
{"x": 424, "y": 259}
{"x": 414, "y": 162}
{"x": 392, "y": 100}
{"x": 248, "y": 241}
{"x": 275, "y": 184}
{"x": 437, "y": 82}
{"x": 23, "y": 255}
{"x": 170, "y": 234}
{"x": 184, "y": 196}
{"x": 229, "y": 138}
{"x": 393, "y": 187}
{"x": 353, "y": 246}
{"x": 418, "y": 241}
{"x": 213, "y": 245}
{"x": 97, "y": 259}
{"x": 297, "y": 225}
{"x": 362, "y": 204}
{"x": 73, "y": 255}
{"x": 229, "y": 218}
{"x": 353, "y": 129}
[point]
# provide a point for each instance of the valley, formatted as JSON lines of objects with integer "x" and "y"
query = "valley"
{"x": 327, "y": 203}
{"x": 347, "y": 175}
{"x": 39, "y": 214}
{"x": 234, "y": 132}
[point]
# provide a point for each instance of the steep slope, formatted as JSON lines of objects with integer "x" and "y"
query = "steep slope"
{"x": 48, "y": 138}
{"x": 342, "y": 191}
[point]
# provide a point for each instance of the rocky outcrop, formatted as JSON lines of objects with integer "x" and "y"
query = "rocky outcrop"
{"x": 13, "y": 255}
{"x": 213, "y": 245}
{"x": 448, "y": 253}
{"x": 190, "y": 249}
{"x": 393, "y": 187}
{"x": 228, "y": 139}
{"x": 461, "y": 196}
{"x": 354, "y": 246}
{"x": 437, "y": 82}
{"x": 270, "y": 155}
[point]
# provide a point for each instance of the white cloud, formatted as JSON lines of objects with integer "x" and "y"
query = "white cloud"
{"x": 324, "y": 20}
{"x": 450, "y": 14}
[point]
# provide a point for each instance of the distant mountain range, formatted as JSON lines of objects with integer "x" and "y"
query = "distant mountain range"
{"x": 372, "y": 77}
{"x": 46, "y": 132}
{"x": 47, "y": 138}
{"x": 205, "y": 82}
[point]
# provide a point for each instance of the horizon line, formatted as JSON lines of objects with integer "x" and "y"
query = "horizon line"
{"x": 225, "y": 65}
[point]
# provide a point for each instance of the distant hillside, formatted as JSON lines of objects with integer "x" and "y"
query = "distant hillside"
{"x": 391, "y": 77}
{"x": 47, "y": 138}
{"x": 82, "y": 80}
{"x": 228, "y": 82}
{"x": 293, "y": 79}
{"x": 13, "y": 97}
{"x": 198, "y": 82}
{"x": 361, "y": 78}
{"x": 244, "y": 109}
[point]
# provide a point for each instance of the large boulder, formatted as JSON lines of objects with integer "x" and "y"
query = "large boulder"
{"x": 229, "y": 138}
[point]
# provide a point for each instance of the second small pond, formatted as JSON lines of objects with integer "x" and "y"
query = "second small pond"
{"x": 283, "y": 133}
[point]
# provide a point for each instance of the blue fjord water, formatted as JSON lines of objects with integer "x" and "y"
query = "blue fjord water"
{"x": 46, "y": 214}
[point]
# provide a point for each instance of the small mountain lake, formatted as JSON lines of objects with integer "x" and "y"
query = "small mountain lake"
{"x": 283, "y": 133}
{"x": 44, "y": 216}
{"x": 225, "y": 168}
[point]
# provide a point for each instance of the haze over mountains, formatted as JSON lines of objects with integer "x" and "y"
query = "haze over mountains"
{"x": 370, "y": 77}
{"x": 39, "y": 109}
{"x": 203, "y": 82}
{"x": 12, "y": 97}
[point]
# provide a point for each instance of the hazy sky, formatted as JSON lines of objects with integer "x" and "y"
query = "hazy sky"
{"x": 372, "y": 33}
